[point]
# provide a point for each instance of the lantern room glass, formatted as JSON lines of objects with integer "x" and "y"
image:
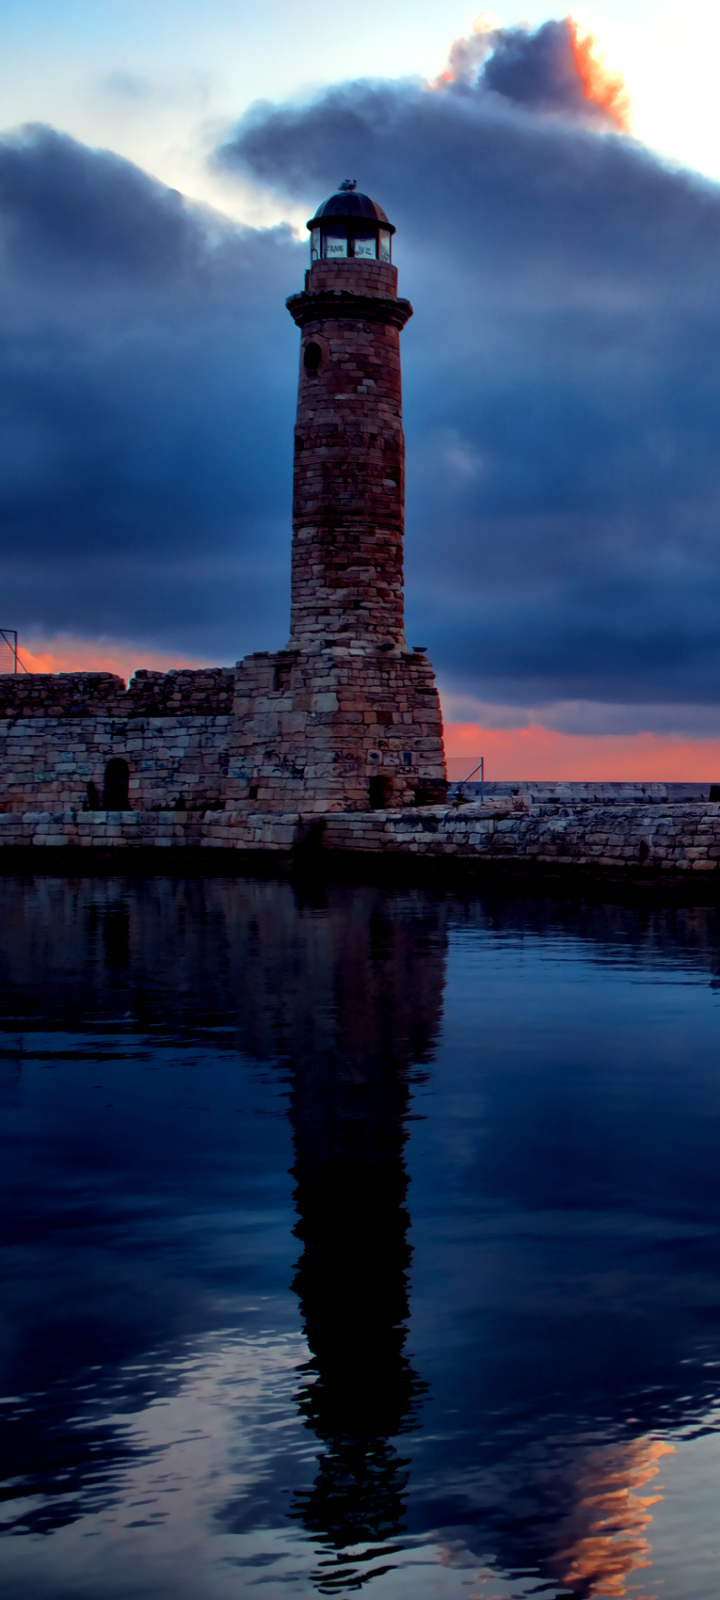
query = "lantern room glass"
{"x": 353, "y": 239}
{"x": 365, "y": 249}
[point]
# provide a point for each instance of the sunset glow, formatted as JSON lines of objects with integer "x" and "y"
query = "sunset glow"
{"x": 537, "y": 754}
{"x": 603, "y": 87}
{"x": 66, "y": 654}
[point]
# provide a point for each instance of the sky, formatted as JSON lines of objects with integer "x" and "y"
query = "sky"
{"x": 554, "y": 183}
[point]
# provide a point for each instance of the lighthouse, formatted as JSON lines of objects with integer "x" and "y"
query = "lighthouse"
{"x": 346, "y": 717}
{"x": 349, "y": 471}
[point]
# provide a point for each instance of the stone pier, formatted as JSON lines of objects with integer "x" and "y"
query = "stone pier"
{"x": 655, "y": 842}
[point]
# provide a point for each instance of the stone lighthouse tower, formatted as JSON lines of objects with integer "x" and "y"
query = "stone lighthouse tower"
{"x": 346, "y": 717}
{"x": 349, "y": 480}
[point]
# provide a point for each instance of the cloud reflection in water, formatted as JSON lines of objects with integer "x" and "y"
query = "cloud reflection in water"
{"x": 489, "y": 1325}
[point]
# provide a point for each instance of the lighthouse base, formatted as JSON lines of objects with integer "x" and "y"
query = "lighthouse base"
{"x": 336, "y": 729}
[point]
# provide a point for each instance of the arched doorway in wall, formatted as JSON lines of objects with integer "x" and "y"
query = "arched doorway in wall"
{"x": 116, "y": 785}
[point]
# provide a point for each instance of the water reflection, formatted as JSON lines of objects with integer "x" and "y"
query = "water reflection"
{"x": 220, "y": 1103}
{"x": 354, "y": 1008}
{"x": 604, "y": 1540}
{"x": 349, "y": 1105}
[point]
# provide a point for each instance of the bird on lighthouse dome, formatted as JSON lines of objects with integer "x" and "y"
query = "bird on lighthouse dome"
{"x": 350, "y": 226}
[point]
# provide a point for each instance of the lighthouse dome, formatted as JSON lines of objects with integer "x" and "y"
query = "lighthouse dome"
{"x": 350, "y": 225}
{"x": 350, "y": 203}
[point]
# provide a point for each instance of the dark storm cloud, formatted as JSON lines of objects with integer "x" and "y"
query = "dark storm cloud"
{"x": 562, "y": 384}
{"x": 562, "y": 389}
{"x": 537, "y": 69}
{"x": 89, "y": 217}
{"x": 146, "y": 403}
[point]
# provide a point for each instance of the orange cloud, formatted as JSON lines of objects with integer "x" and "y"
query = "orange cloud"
{"x": 602, "y": 87}
{"x": 537, "y": 753}
{"x": 467, "y": 55}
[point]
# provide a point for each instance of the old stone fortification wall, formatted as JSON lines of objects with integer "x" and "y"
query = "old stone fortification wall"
{"x": 289, "y": 731}
{"x": 51, "y": 761}
{"x": 207, "y": 692}
{"x": 58, "y": 732}
{"x": 314, "y": 731}
{"x": 659, "y": 842}
{"x": 297, "y": 733}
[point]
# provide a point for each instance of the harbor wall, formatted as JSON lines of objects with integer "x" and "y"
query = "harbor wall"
{"x": 656, "y": 841}
{"x": 331, "y": 730}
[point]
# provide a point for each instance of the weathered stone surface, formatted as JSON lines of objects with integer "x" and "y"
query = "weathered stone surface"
{"x": 655, "y": 842}
{"x": 296, "y": 748}
{"x": 349, "y": 472}
{"x": 208, "y": 692}
{"x": 50, "y": 762}
{"x": 347, "y": 712}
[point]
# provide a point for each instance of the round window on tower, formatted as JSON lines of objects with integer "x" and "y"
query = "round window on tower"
{"x": 312, "y": 357}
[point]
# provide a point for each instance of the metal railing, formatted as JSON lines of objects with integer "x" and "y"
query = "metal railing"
{"x": 458, "y": 786}
{"x": 9, "y": 650}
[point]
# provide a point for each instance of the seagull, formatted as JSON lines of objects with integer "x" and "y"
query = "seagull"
{"x": 349, "y": 183}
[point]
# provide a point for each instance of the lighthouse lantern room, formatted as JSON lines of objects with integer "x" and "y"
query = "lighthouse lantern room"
{"x": 350, "y": 226}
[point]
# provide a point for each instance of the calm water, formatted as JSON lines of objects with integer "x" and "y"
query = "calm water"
{"x": 364, "y": 1239}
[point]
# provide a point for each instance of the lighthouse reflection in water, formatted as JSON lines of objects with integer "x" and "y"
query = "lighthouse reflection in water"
{"x": 357, "y": 1237}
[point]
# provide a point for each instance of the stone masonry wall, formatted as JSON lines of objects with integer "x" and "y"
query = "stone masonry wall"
{"x": 347, "y": 715}
{"x": 48, "y": 762}
{"x": 349, "y": 473}
{"x": 313, "y": 732}
{"x": 662, "y": 842}
{"x": 207, "y": 692}
{"x": 564, "y": 791}
{"x": 653, "y": 839}
{"x": 58, "y": 732}
{"x": 288, "y": 730}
